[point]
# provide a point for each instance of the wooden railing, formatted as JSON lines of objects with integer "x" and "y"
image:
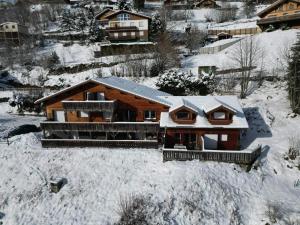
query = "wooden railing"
{"x": 106, "y": 127}
{"x": 278, "y": 19}
{"x": 89, "y": 106}
{"x": 54, "y": 143}
{"x": 241, "y": 157}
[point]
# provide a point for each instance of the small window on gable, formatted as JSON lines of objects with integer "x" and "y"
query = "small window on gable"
{"x": 219, "y": 115}
{"x": 83, "y": 114}
{"x": 182, "y": 115}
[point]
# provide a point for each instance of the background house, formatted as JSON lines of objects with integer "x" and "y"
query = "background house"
{"x": 12, "y": 32}
{"x": 122, "y": 25}
{"x": 282, "y": 13}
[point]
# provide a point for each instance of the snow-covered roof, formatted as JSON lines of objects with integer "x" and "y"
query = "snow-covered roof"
{"x": 203, "y": 104}
{"x": 274, "y": 5}
{"x": 134, "y": 88}
{"x": 122, "y": 85}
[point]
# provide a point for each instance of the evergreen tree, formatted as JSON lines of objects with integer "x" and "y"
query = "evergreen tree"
{"x": 124, "y": 5}
{"x": 293, "y": 76}
{"x": 157, "y": 26}
{"x": 249, "y": 8}
{"x": 67, "y": 20}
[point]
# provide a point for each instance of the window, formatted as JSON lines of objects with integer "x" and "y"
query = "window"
{"x": 124, "y": 34}
{"x": 132, "y": 24}
{"x": 182, "y": 115}
{"x": 132, "y": 34}
{"x": 95, "y": 96}
{"x": 149, "y": 115}
{"x": 13, "y": 26}
{"x": 224, "y": 137}
{"x": 116, "y": 35}
{"x": 141, "y": 24}
{"x": 84, "y": 114}
{"x": 123, "y": 16}
{"x": 6, "y": 27}
{"x": 141, "y": 33}
{"x": 291, "y": 6}
{"x": 219, "y": 115}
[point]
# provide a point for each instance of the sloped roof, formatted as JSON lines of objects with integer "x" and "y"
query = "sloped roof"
{"x": 122, "y": 85}
{"x": 202, "y": 104}
{"x": 274, "y": 5}
{"x": 110, "y": 11}
{"x": 116, "y": 12}
{"x": 184, "y": 103}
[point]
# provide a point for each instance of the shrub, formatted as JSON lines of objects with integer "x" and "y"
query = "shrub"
{"x": 132, "y": 210}
{"x": 294, "y": 149}
{"x": 25, "y": 103}
{"x": 177, "y": 82}
{"x": 273, "y": 212}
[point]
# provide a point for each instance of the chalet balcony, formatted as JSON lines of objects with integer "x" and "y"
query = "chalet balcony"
{"x": 143, "y": 127}
{"x": 89, "y": 106}
{"x": 121, "y": 28}
{"x": 278, "y": 19}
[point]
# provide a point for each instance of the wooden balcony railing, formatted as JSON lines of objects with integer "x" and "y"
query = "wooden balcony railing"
{"x": 145, "y": 127}
{"x": 277, "y": 19}
{"x": 241, "y": 157}
{"x": 55, "y": 143}
{"x": 89, "y": 106}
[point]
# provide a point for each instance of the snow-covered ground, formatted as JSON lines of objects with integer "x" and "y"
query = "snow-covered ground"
{"x": 272, "y": 44}
{"x": 178, "y": 192}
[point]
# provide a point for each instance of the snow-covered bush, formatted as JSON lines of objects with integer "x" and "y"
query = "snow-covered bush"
{"x": 25, "y": 103}
{"x": 177, "y": 82}
{"x": 274, "y": 212}
{"x": 133, "y": 210}
{"x": 294, "y": 149}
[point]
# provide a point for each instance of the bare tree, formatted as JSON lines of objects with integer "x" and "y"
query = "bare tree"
{"x": 195, "y": 38}
{"x": 247, "y": 56}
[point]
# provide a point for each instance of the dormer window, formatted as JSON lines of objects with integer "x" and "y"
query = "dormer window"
{"x": 123, "y": 16}
{"x": 219, "y": 115}
{"x": 182, "y": 115}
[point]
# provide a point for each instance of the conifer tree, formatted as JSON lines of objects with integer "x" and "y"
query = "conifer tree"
{"x": 293, "y": 77}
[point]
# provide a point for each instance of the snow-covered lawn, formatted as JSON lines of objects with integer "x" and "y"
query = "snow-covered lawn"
{"x": 273, "y": 44}
{"x": 178, "y": 192}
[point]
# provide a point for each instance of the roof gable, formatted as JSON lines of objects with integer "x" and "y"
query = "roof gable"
{"x": 125, "y": 11}
{"x": 274, "y": 6}
{"x": 119, "y": 84}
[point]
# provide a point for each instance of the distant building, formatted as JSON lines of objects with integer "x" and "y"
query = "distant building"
{"x": 12, "y": 32}
{"x": 122, "y": 25}
{"x": 206, "y": 4}
{"x": 282, "y": 13}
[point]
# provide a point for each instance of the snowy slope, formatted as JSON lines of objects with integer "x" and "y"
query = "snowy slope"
{"x": 178, "y": 192}
{"x": 272, "y": 44}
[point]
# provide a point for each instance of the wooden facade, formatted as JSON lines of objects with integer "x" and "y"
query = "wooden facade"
{"x": 95, "y": 113}
{"x": 281, "y": 14}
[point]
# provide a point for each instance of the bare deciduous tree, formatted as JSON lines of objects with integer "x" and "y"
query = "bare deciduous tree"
{"x": 246, "y": 56}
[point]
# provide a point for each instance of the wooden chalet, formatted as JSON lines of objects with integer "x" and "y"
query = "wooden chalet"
{"x": 282, "y": 13}
{"x": 116, "y": 112}
{"x": 122, "y": 25}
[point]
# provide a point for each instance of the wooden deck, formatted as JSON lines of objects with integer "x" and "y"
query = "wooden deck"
{"x": 70, "y": 143}
{"x": 148, "y": 127}
{"x": 240, "y": 157}
{"x": 278, "y": 19}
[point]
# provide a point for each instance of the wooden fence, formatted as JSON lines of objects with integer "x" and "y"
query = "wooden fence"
{"x": 216, "y": 49}
{"x": 243, "y": 31}
{"x": 70, "y": 143}
{"x": 240, "y": 157}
